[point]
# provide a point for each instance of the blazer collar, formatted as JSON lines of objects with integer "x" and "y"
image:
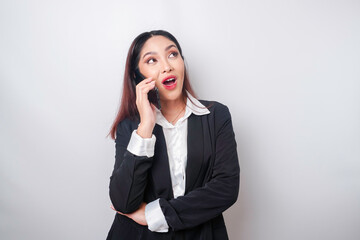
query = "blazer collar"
{"x": 161, "y": 170}
{"x": 195, "y": 145}
{"x": 196, "y": 138}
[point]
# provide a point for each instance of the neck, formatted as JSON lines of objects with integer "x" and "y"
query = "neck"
{"x": 173, "y": 109}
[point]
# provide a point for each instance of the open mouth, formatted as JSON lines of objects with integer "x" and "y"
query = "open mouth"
{"x": 169, "y": 81}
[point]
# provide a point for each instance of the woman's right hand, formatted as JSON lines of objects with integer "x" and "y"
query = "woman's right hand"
{"x": 146, "y": 110}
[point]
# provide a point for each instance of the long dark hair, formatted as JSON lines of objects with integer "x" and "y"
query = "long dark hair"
{"x": 128, "y": 107}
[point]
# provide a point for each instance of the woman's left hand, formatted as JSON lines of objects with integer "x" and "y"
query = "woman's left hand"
{"x": 138, "y": 216}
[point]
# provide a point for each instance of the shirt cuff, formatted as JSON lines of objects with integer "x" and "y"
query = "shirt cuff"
{"x": 155, "y": 217}
{"x": 141, "y": 146}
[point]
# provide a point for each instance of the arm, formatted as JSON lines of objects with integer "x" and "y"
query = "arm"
{"x": 129, "y": 177}
{"x": 219, "y": 193}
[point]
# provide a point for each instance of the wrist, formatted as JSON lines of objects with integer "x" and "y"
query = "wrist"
{"x": 145, "y": 130}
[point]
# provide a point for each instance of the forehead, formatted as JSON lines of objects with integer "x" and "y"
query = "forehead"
{"x": 156, "y": 44}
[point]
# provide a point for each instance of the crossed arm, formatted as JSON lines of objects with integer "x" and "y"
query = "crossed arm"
{"x": 128, "y": 182}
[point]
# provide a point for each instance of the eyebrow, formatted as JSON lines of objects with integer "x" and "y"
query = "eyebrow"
{"x": 166, "y": 49}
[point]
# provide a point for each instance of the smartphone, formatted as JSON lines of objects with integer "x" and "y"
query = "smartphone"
{"x": 153, "y": 95}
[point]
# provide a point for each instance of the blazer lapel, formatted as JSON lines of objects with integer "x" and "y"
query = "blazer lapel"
{"x": 195, "y": 149}
{"x": 160, "y": 168}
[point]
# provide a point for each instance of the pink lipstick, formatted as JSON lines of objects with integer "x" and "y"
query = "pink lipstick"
{"x": 169, "y": 82}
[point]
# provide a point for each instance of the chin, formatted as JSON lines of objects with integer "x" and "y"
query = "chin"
{"x": 171, "y": 96}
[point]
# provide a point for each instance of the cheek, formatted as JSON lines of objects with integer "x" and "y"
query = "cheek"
{"x": 147, "y": 70}
{"x": 180, "y": 67}
{"x": 158, "y": 83}
{"x": 154, "y": 74}
{"x": 150, "y": 73}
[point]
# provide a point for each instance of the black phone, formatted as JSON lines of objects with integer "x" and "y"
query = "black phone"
{"x": 153, "y": 95}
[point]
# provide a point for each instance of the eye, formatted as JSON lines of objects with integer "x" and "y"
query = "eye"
{"x": 173, "y": 55}
{"x": 151, "y": 60}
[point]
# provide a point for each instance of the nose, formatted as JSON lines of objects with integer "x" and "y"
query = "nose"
{"x": 167, "y": 67}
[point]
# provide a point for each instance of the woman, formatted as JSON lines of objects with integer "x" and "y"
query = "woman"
{"x": 176, "y": 169}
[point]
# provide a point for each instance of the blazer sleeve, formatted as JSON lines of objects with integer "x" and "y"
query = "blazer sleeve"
{"x": 129, "y": 177}
{"x": 219, "y": 193}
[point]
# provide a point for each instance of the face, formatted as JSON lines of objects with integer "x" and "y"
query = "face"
{"x": 161, "y": 60}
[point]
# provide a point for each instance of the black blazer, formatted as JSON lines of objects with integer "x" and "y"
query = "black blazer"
{"x": 212, "y": 180}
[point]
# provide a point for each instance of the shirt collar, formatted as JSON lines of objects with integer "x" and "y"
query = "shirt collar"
{"x": 195, "y": 106}
{"x": 192, "y": 106}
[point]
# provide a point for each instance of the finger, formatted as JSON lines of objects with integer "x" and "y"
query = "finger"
{"x": 153, "y": 108}
{"x": 121, "y": 213}
{"x": 112, "y": 207}
{"x": 144, "y": 89}
{"x": 142, "y": 85}
{"x": 145, "y": 81}
{"x": 148, "y": 86}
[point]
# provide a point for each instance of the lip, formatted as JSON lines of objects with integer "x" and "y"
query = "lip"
{"x": 169, "y": 87}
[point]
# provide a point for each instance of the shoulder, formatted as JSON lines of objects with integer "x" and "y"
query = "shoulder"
{"x": 126, "y": 126}
{"x": 219, "y": 114}
{"x": 216, "y": 109}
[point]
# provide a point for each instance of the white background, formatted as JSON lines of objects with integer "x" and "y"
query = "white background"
{"x": 288, "y": 70}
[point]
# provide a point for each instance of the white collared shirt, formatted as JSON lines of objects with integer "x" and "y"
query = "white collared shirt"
{"x": 176, "y": 142}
